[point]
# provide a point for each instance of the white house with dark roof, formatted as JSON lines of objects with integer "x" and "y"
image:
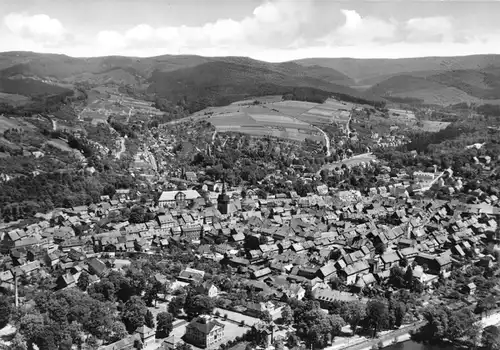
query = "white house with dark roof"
{"x": 172, "y": 199}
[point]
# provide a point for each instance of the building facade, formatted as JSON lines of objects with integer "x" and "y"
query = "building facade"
{"x": 205, "y": 332}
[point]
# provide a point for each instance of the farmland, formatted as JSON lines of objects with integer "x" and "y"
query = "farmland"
{"x": 433, "y": 126}
{"x": 270, "y": 116}
{"x": 106, "y": 101}
{"x": 13, "y": 99}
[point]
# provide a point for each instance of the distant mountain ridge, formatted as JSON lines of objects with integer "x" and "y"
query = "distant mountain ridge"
{"x": 187, "y": 78}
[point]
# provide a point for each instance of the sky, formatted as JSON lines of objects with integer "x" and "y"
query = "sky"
{"x": 271, "y": 30}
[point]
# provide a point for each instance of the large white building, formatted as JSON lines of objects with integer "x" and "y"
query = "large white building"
{"x": 177, "y": 199}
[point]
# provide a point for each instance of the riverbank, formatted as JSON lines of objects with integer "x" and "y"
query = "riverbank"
{"x": 404, "y": 334}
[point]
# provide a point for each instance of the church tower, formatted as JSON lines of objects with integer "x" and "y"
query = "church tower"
{"x": 223, "y": 200}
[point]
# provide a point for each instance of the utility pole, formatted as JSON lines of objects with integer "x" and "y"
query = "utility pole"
{"x": 16, "y": 291}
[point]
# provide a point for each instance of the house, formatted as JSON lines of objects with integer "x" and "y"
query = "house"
{"x": 256, "y": 309}
{"x": 389, "y": 260}
{"x": 126, "y": 343}
{"x": 208, "y": 289}
{"x": 327, "y": 271}
{"x": 177, "y": 199}
{"x": 327, "y": 296}
{"x": 350, "y": 272}
{"x": 435, "y": 264}
{"x": 470, "y": 288}
{"x": 190, "y": 275}
{"x": 204, "y": 332}
{"x": 97, "y": 267}
{"x": 262, "y": 273}
{"x": 147, "y": 334}
{"x": 264, "y": 333}
{"x": 64, "y": 281}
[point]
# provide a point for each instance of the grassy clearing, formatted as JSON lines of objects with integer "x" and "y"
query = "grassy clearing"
{"x": 434, "y": 126}
{"x": 12, "y": 123}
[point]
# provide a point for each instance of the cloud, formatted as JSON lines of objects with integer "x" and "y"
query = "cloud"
{"x": 362, "y": 30}
{"x": 280, "y": 22}
{"x": 276, "y": 30}
{"x": 429, "y": 29}
{"x": 38, "y": 27}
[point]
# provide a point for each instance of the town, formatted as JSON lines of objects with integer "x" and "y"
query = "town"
{"x": 209, "y": 265}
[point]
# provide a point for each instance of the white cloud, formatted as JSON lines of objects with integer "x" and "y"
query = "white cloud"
{"x": 276, "y": 30}
{"x": 429, "y": 29}
{"x": 38, "y": 27}
{"x": 361, "y": 30}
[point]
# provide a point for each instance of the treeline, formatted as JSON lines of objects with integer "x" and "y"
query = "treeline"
{"x": 489, "y": 110}
{"x": 359, "y": 100}
{"x": 38, "y": 105}
{"x": 24, "y": 195}
{"x": 422, "y": 140}
{"x": 307, "y": 94}
{"x": 405, "y": 100}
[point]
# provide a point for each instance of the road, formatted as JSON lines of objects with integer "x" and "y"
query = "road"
{"x": 129, "y": 113}
{"x": 348, "y": 125}
{"x": 369, "y": 343}
{"x": 327, "y": 141}
{"x": 122, "y": 148}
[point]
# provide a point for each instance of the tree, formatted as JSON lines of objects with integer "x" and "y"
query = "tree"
{"x": 266, "y": 317}
{"x": 5, "y": 311}
{"x": 198, "y": 305}
{"x": 31, "y": 327}
{"x": 398, "y": 312}
{"x": 92, "y": 343}
{"x": 287, "y": 315}
{"x": 134, "y": 314}
{"x": 377, "y": 315}
{"x": 353, "y": 313}
{"x": 176, "y": 304}
{"x": 149, "y": 319}
{"x": 409, "y": 277}
{"x": 117, "y": 331}
{"x": 83, "y": 281}
{"x": 396, "y": 277}
{"x": 183, "y": 346}
{"x": 18, "y": 342}
{"x": 137, "y": 214}
{"x": 491, "y": 338}
{"x": 164, "y": 324}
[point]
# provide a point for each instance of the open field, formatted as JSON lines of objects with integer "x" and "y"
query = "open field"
{"x": 401, "y": 114}
{"x": 13, "y": 98}
{"x": 294, "y": 120}
{"x": 355, "y": 160}
{"x": 63, "y": 146}
{"x": 13, "y": 123}
{"x": 434, "y": 126}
